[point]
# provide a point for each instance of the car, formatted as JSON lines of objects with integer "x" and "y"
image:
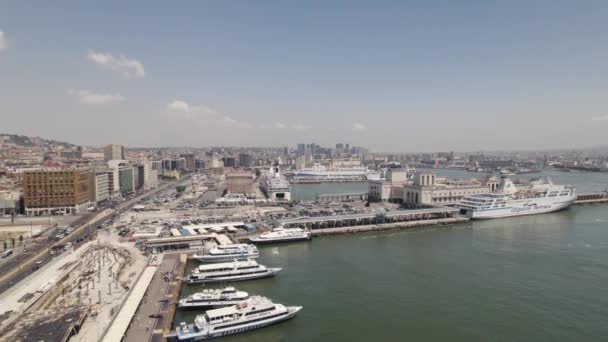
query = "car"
{"x": 155, "y": 316}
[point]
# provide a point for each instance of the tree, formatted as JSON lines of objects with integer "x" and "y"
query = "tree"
{"x": 12, "y": 242}
{"x": 21, "y": 239}
{"x": 180, "y": 188}
{"x": 5, "y": 245}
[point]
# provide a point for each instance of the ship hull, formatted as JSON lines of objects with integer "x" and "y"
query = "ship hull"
{"x": 234, "y": 278}
{"x": 519, "y": 209}
{"x": 283, "y": 240}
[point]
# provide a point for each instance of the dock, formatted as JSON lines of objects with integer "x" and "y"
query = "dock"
{"x": 387, "y": 226}
{"x": 414, "y": 216}
{"x": 155, "y": 313}
{"x": 595, "y": 197}
{"x": 353, "y": 196}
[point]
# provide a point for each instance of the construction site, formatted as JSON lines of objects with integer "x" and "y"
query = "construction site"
{"x": 75, "y": 298}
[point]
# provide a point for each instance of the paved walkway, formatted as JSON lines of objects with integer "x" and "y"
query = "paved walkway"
{"x": 125, "y": 315}
{"x": 160, "y": 299}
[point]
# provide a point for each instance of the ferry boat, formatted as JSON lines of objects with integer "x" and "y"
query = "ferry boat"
{"x": 255, "y": 313}
{"x": 225, "y": 253}
{"x": 281, "y": 234}
{"x": 508, "y": 200}
{"x": 230, "y": 271}
{"x": 214, "y": 298}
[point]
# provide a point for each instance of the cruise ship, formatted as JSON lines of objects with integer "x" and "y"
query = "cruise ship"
{"x": 214, "y": 298}
{"x": 508, "y": 200}
{"x": 275, "y": 186}
{"x": 225, "y": 253}
{"x": 230, "y": 271}
{"x": 321, "y": 172}
{"x": 255, "y": 313}
{"x": 281, "y": 234}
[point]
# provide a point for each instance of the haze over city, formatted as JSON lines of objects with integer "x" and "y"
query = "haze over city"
{"x": 390, "y": 75}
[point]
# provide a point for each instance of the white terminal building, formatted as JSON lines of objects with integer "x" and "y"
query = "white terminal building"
{"x": 429, "y": 189}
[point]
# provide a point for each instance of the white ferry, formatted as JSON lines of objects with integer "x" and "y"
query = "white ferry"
{"x": 281, "y": 234}
{"x": 225, "y": 253}
{"x": 255, "y": 313}
{"x": 508, "y": 200}
{"x": 230, "y": 271}
{"x": 214, "y": 298}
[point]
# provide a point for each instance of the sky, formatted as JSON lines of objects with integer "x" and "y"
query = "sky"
{"x": 393, "y": 76}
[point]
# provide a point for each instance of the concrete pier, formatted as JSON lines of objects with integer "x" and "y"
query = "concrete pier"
{"x": 383, "y": 217}
{"x": 387, "y": 226}
{"x": 596, "y": 197}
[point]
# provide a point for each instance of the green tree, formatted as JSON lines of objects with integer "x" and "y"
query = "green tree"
{"x": 21, "y": 239}
{"x": 5, "y": 245}
{"x": 12, "y": 242}
{"x": 180, "y": 188}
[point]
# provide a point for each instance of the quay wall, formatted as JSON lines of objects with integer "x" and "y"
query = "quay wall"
{"x": 386, "y": 226}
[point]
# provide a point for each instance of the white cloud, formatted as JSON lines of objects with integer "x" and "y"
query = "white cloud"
{"x": 178, "y": 106}
{"x": 3, "y": 41}
{"x": 357, "y": 126}
{"x": 128, "y": 67}
{"x": 90, "y": 98}
{"x": 279, "y": 125}
{"x": 299, "y": 127}
{"x": 600, "y": 118}
{"x": 229, "y": 120}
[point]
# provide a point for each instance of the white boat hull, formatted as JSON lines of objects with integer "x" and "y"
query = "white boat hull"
{"x": 224, "y": 258}
{"x": 520, "y": 208}
{"x": 280, "y": 240}
{"x": 237, "y": 277}
{"x": 219, "y": 332}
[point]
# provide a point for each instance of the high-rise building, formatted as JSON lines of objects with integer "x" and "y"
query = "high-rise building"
{"x": 199, "y": 164}
{"x": 100, "y": 186}
{"x": 189, "y": 157}
{"x": 126, "y": 179}
{"x": 229, "y": 162}
{"x": 47, "y": 192}
{"x": 301, "y": 149}
{"x": 114, "y": 152}
{"x": 245, "y": 160}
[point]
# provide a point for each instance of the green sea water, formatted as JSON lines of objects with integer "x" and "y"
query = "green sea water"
{"x": 529, "y": 278}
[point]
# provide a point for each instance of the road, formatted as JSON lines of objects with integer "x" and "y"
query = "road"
{"x": 22, "y": 265}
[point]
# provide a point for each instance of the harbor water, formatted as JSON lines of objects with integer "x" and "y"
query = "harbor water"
{"x": 530, "y": 278}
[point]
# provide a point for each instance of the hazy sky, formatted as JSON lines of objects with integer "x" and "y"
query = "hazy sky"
{"x": 390, "y": 75}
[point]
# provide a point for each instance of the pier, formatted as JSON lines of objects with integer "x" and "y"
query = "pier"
{"x": 353, "y": 196}
{"x": 595, "y": 197}
{"x": 394, "y": 216}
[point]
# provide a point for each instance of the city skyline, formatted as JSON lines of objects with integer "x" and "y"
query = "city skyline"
{"x": 401, "y": 77}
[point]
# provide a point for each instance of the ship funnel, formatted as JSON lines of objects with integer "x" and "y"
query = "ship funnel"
{"x": 507, "y": 186}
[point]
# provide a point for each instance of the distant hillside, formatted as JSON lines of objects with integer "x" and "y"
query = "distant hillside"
{"x": 25, "y": 141}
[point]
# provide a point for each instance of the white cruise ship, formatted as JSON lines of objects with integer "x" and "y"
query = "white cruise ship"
{"x": 214, "y": 298}
{"x": 319, "y": 171}
{"x": 230, "y": 271}
{"x": 255, "y": 313}
{"x": 508, "y": 200}
{"x": 282, "y": 235}
{"x": 225, "y": 253}
{"x": 274, "y": 184}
